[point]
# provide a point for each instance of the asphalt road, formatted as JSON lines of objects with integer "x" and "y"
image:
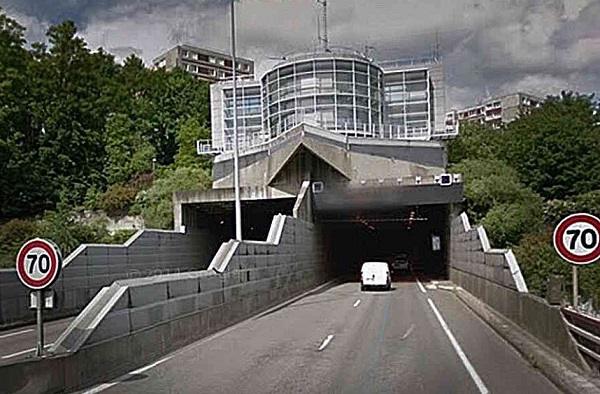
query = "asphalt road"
{"x": 20, "y": 343}
{"x": 341, "y": 340}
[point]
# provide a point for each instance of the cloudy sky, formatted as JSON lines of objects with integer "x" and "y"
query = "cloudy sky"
{"x": 489, "y": 46}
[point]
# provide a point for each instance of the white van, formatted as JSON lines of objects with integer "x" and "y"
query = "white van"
{"x": 375, "y": 274}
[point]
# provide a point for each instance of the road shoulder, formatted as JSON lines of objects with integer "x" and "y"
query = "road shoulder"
{"x": 559, "y": 371}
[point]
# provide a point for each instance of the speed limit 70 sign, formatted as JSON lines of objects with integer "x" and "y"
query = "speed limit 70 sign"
{"x": 38, "y": 263}
{"x": 577, "y": 238}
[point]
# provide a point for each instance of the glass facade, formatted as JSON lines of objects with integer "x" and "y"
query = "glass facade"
{"x": 408, "y": 98}
{"x": 338, "y": 93}
{"x": 249, "y": 117}
{"x": 342, "y": 92}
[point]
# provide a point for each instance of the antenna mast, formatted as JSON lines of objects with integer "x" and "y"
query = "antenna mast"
{"x": 322, "y": 21}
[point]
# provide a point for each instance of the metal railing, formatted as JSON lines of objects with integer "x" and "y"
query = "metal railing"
{"x": 586, "y": 332}
{"x": 361, "y": 130}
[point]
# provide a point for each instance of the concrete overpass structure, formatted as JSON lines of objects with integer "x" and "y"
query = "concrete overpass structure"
{"x": 281, "y": 311}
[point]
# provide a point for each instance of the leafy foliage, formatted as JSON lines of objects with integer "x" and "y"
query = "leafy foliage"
{"x": 73, "y": 122}
{"x": 117, "y": 199}
{"x": 523, "y": 179}
{"x": 476, "y": 141}
{"x": 156, "y": 204}
{"x": 556, "y": 148}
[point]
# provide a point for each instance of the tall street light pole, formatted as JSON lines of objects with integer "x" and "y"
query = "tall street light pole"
{"x": 236, "y": 153}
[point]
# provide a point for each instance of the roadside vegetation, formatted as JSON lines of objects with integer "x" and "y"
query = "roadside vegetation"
{"x": 521, "y": 180}
{"x": 81, "y": 131}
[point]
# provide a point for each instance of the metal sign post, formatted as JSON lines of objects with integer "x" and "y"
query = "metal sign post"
{"x": 575, "y": 288}
{"x": 39, "y": 263}
{"x": 40, "y": 322}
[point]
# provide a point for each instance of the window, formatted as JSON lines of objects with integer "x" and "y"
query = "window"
{"x": 212, "y": 59}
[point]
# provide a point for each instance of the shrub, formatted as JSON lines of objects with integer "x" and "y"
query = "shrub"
{"x": 156, "y": 204}
{"x": 12, "y": 235}
{"x": 117, "y": 199}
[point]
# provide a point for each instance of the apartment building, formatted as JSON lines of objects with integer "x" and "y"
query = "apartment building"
{"x": 204, "y": 64}
{"x": 496, "y": 111}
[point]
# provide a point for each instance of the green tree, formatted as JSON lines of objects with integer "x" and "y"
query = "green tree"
{"x": 127, "y": 152}
{"x": 188, "y": 133}
{"x": 496, "y": 198}
{"x": 556, "y": 148}
{"x": 475, "y": 141}
{"x": 156, "y": 203}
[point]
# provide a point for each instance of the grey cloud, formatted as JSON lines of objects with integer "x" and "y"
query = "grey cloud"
{"x": 489, "y": 46}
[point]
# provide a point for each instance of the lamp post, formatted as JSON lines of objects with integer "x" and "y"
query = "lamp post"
{"x": 236, "y": 153}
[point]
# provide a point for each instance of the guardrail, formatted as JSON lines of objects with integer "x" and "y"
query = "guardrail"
{"x": 585, "y": 330}
{"x": 373, "y": 131}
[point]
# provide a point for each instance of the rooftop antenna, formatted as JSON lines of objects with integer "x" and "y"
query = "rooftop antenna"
{"x": 322, "y": 21}
{"x": 437, "y": 45}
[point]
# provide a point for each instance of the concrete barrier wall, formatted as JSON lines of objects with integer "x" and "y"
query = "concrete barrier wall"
{"x": 533, "y": 314}
{"x": 91, "y": 267}
{"x": 471, "y": 253}
{"x": 135, "y": 321}
{"x": 494, "y": 277}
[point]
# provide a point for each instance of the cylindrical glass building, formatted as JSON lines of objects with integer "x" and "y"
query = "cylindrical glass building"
{"x": 341, "y": 91}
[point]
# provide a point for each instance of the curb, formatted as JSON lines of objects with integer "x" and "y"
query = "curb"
{"x": 565, "y": 375}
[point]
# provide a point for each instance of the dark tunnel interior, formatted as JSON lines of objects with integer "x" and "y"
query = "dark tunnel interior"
{"x": 419, "y": 233}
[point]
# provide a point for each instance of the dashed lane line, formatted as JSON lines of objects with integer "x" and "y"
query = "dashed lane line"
{"x": 326, "y": 342}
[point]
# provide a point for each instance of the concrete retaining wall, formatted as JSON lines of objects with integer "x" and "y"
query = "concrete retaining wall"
{"x": 91, "y": 267}
{"x": 494, "y": 277}
{"x": 135, "y": 321}
{"x": 471, "y": 253}
{"x": 533, "y": 314}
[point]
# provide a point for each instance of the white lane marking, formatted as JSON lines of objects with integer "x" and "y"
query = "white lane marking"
{"x": 24, "y": 352}
{"x": 204, "y": 340}
{"x": 408, "y": 332}
{"x": 420, "y": 286}
{"x": 356, "y": 303}
{"x": 463, "y": 357}
{"x": 326, "y": 342}
{"x": 105, "y": 386}
{"x": 12, "y": 334}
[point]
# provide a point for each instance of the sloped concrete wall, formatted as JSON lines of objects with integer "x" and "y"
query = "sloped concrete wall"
{"x": 494, "y": 277}
{"x": 91, "y": 267}
{"x": 470, "y": 252}
{"x": 135, "y": 321}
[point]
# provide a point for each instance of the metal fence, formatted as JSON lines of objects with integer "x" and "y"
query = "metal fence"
{"x": 586, "y": 332}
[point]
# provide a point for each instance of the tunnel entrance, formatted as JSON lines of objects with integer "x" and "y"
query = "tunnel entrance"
{"x": 419, "y": 233}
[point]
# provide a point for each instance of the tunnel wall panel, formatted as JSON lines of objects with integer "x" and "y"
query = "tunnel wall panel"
{"x": 91, "y": 267}
{"x": 494, "y": 277}
{"x": 148, "y": 317}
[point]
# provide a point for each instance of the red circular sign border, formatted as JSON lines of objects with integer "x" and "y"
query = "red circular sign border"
{"x": 557, "y": 237}
{"x": 55, "y": 263}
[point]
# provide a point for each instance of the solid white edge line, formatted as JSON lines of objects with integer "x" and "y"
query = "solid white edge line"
{"x": 326, "y": 342}
{"x": 24, "y": 352}
{"x": 12, "y": 334}
{"x": 420, "y": 286}
{"x": 138, "y": 371}
{"x": 356, "y": 303}
{"x": 463, "y": 357}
